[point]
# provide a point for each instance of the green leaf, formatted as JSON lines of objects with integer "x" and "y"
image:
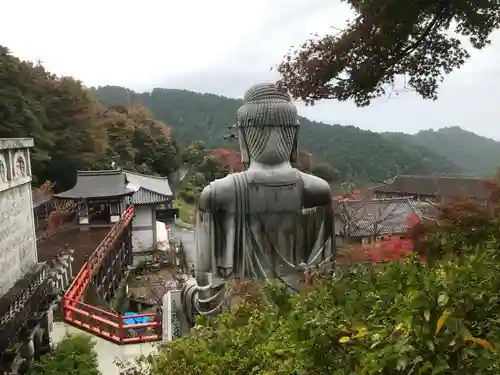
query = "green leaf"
{"x": 427, "y": 315}
{"x": 443, "y": 299}
{"x": 439, "y": 369}
{"x": 402, "y": 363}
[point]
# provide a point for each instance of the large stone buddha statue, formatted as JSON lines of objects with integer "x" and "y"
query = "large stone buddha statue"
{"x": 269, "y": 222}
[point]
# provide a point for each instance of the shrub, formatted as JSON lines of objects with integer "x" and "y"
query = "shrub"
{"x": 404, "y": 317}
{"x": 73, "y": 355}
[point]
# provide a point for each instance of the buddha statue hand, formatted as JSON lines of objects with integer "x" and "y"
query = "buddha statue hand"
{"x": 201, "y": 300}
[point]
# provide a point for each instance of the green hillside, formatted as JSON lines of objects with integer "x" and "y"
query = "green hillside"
{"x": 475, "y": 155}
{"x": 357, "y": 154}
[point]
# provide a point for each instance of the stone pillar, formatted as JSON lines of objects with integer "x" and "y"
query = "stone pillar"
{"x": 27, "y": 350}
{"x": 47, "y": 324}
{"x": 174, "y": 323}
{"x": 167, "y": 317}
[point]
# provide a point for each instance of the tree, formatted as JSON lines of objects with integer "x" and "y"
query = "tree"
{"x": 417, "y": 40}
{"x": 138, "y": 142}
{"x": 72, "y": 355}
{"x": 72, "y": 131}
{"x": 229, "y": 158}
{"x": 80, "y": 140}
{"x": 195, "y": 153}
{"x": 326, "y": 172}
{"x": 21, "y": 113}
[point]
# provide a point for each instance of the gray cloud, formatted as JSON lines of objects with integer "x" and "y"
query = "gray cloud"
{"x": 225, "y": 46}
{"x": 468, "y": 98}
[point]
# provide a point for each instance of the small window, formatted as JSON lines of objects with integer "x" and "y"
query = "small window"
{"x": 114, "y": 209}
{"x": 83, "y": 210}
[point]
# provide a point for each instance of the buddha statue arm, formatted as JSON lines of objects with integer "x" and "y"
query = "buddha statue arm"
{"x": 204, "y": 239}
{"x": 201, "y": 295}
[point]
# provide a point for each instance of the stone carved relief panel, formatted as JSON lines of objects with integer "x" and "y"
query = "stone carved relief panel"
{"x": 3, "y": 169}
{"x": 20, "y": 164}
{"x": 17, "y": 235}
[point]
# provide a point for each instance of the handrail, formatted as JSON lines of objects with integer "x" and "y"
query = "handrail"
{"x": 111, "y": 236}
{"x": 90, "y": 307}
{"x": 111, "y": 325}
{"x": 75, "y": 280}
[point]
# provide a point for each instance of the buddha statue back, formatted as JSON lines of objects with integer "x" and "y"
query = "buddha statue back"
{"x": 268, "y": 222}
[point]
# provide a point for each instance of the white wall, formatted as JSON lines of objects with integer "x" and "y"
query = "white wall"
{"x": 17, "y": 235}
{"x": 144, "y": 228}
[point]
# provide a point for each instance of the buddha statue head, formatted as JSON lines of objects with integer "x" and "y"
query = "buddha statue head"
{"x": 267, "y": 126}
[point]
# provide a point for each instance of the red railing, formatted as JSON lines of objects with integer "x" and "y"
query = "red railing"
{"x": 106, "y": 324}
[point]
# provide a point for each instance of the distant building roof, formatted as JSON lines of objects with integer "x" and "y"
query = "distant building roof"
{"x": 361, "y": 218}
{"x": 116, "y": 183}
{"x": 98, "y": 184}
{"x": 151, "y": 189}
{"x": 438, "y": 186}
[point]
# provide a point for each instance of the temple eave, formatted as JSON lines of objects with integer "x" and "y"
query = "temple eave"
{"x": 70, "y": 195}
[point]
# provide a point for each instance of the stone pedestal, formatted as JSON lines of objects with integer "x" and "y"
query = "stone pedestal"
{"x": 174, "y": 322}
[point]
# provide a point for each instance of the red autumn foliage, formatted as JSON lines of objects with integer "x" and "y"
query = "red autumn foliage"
{"x": 390, "y": 249}
{"x": 229, "y": 158}
{"x": 463, "y": 212}
{"x": 355, "y": 194}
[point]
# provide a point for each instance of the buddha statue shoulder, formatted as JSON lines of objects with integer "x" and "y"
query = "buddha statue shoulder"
{"x": 268, "y": 222}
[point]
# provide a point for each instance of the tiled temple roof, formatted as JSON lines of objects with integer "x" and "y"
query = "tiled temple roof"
{"x": 439, "y": 186}
{"x": 117, "y": 183}
{"x": 359, "y": 218}
{"x": 98, "y": 184}
{"x": 151, "y": 189}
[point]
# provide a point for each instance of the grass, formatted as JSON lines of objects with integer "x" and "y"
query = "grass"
{"x": 187, "y": 212}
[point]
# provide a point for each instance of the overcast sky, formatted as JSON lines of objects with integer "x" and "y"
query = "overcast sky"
{"x": 223, "y": 47}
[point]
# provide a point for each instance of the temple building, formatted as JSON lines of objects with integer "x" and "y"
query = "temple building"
{"x": 370, "y": 220}
{"x": 102, "y": 196}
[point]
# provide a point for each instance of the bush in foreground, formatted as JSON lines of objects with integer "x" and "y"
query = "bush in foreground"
{"x": 398, "y": 318}
{"x": 73, "y": 355}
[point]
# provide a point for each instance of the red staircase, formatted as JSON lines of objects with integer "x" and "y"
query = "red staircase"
{"x": 106, "y": 324}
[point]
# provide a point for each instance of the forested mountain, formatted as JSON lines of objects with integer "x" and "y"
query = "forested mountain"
{"x": 356, "y": 154}
{"x": 474, "y": 154}
{"x": 79, "y": 129}
{"x": 74, "y": 132}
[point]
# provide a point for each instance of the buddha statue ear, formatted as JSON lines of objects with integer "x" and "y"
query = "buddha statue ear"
{"x": 295, "y": 147}
{"x": 245, "y": 157}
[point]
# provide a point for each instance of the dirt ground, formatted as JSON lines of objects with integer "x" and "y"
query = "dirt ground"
{"x": 149, "y": 286}
{"x": 82, "y": 242}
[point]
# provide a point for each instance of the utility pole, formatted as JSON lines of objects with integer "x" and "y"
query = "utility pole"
{"x": 231, "y": 136}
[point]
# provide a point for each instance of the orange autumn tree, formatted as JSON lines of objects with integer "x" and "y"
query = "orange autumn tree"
{"x": 62, "y": 214}
{"x": 229, "y": 158}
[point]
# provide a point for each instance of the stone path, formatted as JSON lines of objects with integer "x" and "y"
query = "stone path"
{"x": 188, "y": 240}
{"x": 107, "y": 352}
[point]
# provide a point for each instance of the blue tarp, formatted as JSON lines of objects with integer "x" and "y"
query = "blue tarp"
{"x": 134, "y": 319}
